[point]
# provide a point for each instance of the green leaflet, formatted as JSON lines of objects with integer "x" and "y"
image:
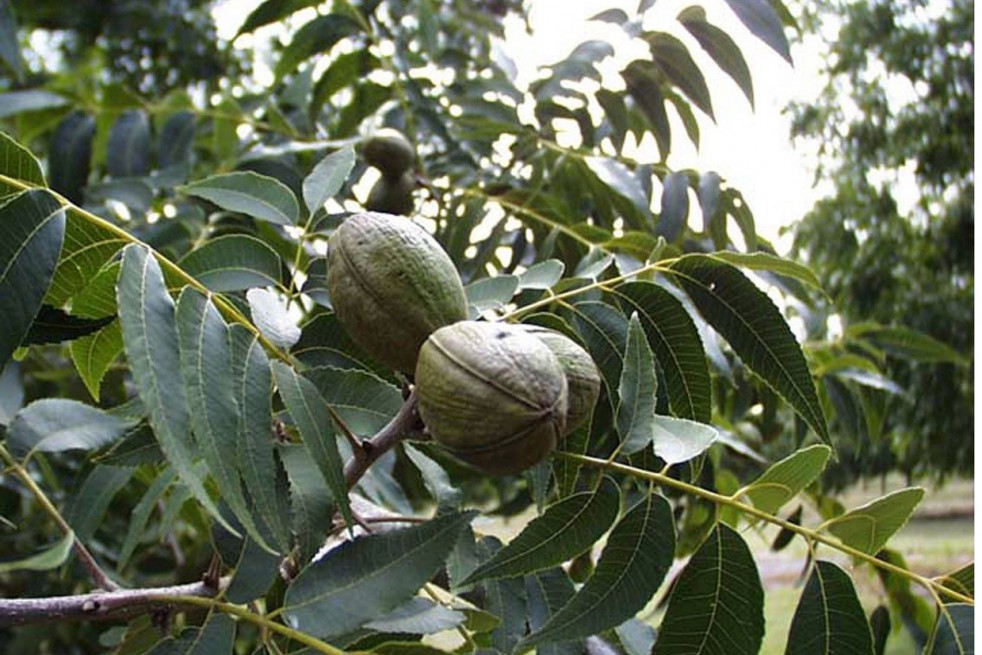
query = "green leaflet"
{"x": 46, "y": 560}
{"x": 718, "y": 44}
{"x": 869, "y": 527}
{"x": 311, "y": 503}
{"x": 59, "y": 424}
{"x": 313, "y": 420}
{"x": 206, "y": 363}
{"x": 638, "y": 385}
{"x": 761, "y": 261}
{"x": 269, "y": 314}
{"x": 633, "y": 564}
{"x": 783, "y": 480}
{"x": 234, "y": 262}
{"x": 94, "y": 354}
{"x": 364, "y": 401}
{"x": 753, "y": 326}
{"x": 547, "y": 591}
{"x": 717, "y": 606}
{"x": 252, "y": 389}
{"x": 829, "y": 618}
{"x": 34, "y": 229}
{"x": 17, "y": 162}
{"x": 88, "y": 247}
{"x": 954, "y": 632}
{"x": 262, "y": 197}
{"x": 327, "y": 177}
{"x": 604, "y": 331}
{"x": 370, "y": 576}
{"x": 150, "y": 339}
{"x": 565, "y": 530}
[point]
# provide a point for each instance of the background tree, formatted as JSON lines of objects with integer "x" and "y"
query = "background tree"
{"x": 183, "y": 415}
{"x": 893, "y": 243}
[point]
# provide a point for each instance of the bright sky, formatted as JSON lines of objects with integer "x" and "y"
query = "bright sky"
{"x": 749, "y": 148}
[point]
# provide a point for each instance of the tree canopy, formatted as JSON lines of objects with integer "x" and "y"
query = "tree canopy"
{"x": 202, "y": 454}
{"x": 894, "y": 240}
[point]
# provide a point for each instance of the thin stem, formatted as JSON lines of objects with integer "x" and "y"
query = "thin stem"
{"x": 252, "y": 617}
{"x": 531, "y": 213}
{"x": 99, "y": 577}
{"x": 599, "y": 284}
{"x": 228, "y": 310}
{"x": 807, "y": 533}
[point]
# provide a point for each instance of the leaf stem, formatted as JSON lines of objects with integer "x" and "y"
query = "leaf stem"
{"x": 811, "y": 535}
{"x": 251, "y": 617}
{"x": 99, "y": 577}
{"x": 599, "y": 284}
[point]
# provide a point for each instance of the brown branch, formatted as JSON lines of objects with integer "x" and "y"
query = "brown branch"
{"x": 103, "y": 605}
{"x": 405, "y": 422}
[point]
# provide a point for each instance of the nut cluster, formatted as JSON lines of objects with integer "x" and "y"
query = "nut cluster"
{"x": 496, "y": 395}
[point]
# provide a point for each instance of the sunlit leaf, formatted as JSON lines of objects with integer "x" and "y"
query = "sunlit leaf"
{"x": 678, "y": 440}
{"x": 270, "y": 315}
{"x": 46, "y": 560}
{"x": 543, "y": 275}
{"x": 418, "y": 616}
{"x": 34, "y": 229}
{"x": 783, "y": 480}
{"x": 869, "y": 527}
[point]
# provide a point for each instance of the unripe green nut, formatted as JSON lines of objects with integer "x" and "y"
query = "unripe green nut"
{"x": 392, "y": 195}
{"x": 582, "y": 376}
{"x": 492, "y": 394}
{"x": 391, "y": 286}
{"x": 389, "y": 151}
